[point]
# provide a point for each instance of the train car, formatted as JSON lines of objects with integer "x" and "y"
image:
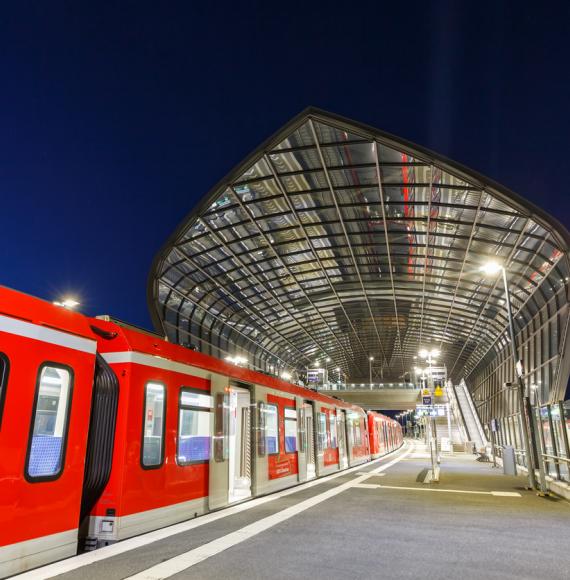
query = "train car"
{"x": 108, "y": 431}
{"x": 195, "y": 433}
{"x": 385, "y": 434}
{"x": 47, "y": 365}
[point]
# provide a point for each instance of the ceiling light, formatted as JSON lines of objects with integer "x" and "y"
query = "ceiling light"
{"x": 490, "y": 268}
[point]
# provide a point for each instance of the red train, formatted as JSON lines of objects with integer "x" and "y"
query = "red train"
{"x": 107, "y": 431}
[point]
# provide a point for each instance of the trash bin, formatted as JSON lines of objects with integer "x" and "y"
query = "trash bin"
{"x": 509, "y": 463}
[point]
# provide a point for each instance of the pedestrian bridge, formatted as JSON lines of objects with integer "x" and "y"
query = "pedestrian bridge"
{"x": 385, "y": 396}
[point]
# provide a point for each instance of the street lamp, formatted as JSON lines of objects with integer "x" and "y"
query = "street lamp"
{"x": 67, "y": 302}
{"x": 370, "y": 359}
{"x": 491, "y": 268}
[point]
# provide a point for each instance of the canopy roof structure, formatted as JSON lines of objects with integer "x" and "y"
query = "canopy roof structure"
{"x": 334, "y": 239}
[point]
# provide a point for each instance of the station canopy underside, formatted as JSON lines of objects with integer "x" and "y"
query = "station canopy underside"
{"x": 336, "y": 240}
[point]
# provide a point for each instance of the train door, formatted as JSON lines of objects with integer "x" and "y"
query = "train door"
{"x": 230, "y": 462}
{"x": 311, "y": 470}
{"x": 239, "y": 487}
{"x": 219, "y": 458}
{"x": 342, "y": 447}
{"x": 301, "y": 440}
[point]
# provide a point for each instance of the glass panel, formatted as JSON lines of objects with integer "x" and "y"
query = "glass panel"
{"x": 547, "y": 438}
{"x": 50, "y": 422}
{"x": 271, "y": 429}
{"x": 559, "y": 438}
{"x": 193, "y": 436}
{"x": 332, "y": 421}
{"x": 290, "y": 432}
{"x": 193, "y": 399}
{"x": 153, "y": 430}
{"x": 358, "y": 432}
{"x": 322, "y": 431}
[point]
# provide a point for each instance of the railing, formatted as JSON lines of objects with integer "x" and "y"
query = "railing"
{"x": 365, "y": 386}
{"x": 552, "y": 424}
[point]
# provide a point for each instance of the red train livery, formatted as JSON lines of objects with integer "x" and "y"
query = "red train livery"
{"x": 107, "y": 431}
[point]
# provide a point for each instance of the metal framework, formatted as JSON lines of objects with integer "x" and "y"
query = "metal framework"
{"x": 334, "y": 239}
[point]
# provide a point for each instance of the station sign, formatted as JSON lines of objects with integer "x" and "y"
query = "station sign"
{"x": 426, "y": 399}
{"x": 431, "y": 410}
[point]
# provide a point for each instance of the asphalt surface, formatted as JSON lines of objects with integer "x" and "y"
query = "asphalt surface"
{"x": 403, "y": 529}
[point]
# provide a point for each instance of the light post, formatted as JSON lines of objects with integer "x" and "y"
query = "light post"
{"x": 430, "y": 357}
{"x": 370, "y": 359}
{"x": 525, "y": 409}
{"x": 327, "y": 361}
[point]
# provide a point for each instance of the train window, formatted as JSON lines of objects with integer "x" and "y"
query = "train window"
{"x": 153, "y": 425}
{"x": 332, "y": 419}
{"x": 358, "y": 425}
{"x": 48, "y": 432}
{"x": 357, "y": 432}
{"x": 194, "y": 427}
{"x": 321, "y": 431}
{"x": 4, "y": 369}
{"x": 290, "y": 430}
{"x": 271, "y": 429}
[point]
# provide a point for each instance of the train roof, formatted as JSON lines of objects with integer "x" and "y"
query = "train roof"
{"x": 28, "y": 308}
{"x": 114, "y": 337}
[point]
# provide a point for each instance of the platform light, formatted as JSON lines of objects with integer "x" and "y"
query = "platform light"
{"x": 371, "y": 358}
{"x": 69, "y": 303}
{"x": 328, "y": 359}
{"x": 423, "y": 353}
{"x": 490, "y": 268}
{"x": 286, "y": 376}
{"x": 237, "y": 360}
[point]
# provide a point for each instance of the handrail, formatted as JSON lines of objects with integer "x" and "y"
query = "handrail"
{"x": 556, "y": 457}
{"x": 453, "y": 405}
{"x": 466, "y": 429}
{"x": 475, "y": 414}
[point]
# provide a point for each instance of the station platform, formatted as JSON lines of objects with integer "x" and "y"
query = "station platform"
{"x": 373, "y": 521}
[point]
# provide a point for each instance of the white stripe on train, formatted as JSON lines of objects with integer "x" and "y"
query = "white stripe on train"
{"x": 44, "y": 334}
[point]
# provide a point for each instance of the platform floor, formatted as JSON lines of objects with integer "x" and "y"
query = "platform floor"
{"x": 376, "y": 521}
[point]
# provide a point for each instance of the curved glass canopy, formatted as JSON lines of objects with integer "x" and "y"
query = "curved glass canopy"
{"x": 336, "y": 240}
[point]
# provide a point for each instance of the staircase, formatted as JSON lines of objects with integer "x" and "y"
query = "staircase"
{"x": 455, "y": 436}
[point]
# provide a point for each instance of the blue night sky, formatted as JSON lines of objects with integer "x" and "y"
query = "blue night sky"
{"x": 116, "y": 117}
